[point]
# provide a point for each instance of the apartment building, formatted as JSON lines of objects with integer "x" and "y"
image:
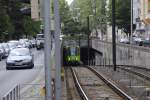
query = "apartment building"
{"x": 144, "y": 11}
{"x": 36, "y": 9}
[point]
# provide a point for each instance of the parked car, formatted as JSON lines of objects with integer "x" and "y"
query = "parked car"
{"x": 6, "y": 48}
{"x": 40, "y": 41}
{"x": 2, "y": 52}
{"x": 124, "y": 40}
{"x": 19, "y": 58}
{"x": 26, "y": 42}
{"x": 146, "y": 42}
{"x": 33, "y": 42}
{"x": 13, "y": 44}
{"x": 138, "y": 41}
{"x": 21, "y": 45}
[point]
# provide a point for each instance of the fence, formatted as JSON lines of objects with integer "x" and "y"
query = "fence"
{"x": 26, "y": 92}
{"x": 12, "y": 94}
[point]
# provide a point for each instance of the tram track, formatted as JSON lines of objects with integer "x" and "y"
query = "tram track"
{"x": 142, "y": 72}
{"x": 93, "y": 86}
{"x": 133, "y": 81}
{"x": 72, "y": 92}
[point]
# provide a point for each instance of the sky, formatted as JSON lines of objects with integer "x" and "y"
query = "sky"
{"x": 69, "y": 1}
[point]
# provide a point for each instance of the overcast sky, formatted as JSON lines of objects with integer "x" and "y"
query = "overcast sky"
{"x": 69, "y": 1}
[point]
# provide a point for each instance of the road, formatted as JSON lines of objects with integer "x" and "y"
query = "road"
{"x": 11, "y": 78}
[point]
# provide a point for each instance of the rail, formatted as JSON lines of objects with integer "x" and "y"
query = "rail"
{"x": 79, "y": 88}
{"x": 136, "y": 73}
{"x": 111, "y": 85}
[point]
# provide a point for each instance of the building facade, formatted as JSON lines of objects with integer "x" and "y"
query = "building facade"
{"x": 143, "y": 19}
{"x": 36, "y": 9}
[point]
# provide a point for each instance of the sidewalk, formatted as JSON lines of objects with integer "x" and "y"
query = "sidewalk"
{"x": 35, "y": 91}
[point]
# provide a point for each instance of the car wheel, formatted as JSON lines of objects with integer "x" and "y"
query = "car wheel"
{"x": 8, "y": 68}
{"x": 32, "y": 66}
{"x": 0, "y": 58}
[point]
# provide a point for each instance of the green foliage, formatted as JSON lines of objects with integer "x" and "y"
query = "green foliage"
{"x": 13, "y": 24}
{"x": 65, "y": 14}
{"x": 69, "y": 25}
{"x": 123, "y": 14}
{"x": 31, "y": 27}
{"x": 91, "y": 7}
{"x": 5, "y": 22}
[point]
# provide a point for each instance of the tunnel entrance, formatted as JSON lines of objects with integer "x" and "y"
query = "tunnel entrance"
{"x": 93, "y": 55}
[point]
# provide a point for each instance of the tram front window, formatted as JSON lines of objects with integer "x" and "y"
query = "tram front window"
{"x": 73, "y": 51}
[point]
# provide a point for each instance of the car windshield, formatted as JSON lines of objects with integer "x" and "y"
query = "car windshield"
{"x": 20, "y": 52}
{"x": 11, "y": 45}
{"x": 5, "y": 46}
{"x": 1, "y": 47}
{"x": 40, "y": 35}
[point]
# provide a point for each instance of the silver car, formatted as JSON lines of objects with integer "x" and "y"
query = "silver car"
{"x": 19, "y": 58}
{"x": 6, "y": 48}
{"x": 2, "y": 52}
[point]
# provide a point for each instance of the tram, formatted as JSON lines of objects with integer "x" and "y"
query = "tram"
{"x": 72, "y": 55}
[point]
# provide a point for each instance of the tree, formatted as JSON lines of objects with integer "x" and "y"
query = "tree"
{"x": 13, "y": 23}
{"x": 123, "y": 14}
{"x": 65, "y": 16}
{"x": 31, "y": 28}
{"x": 6, "y": 26}
{"x": 92, "y": 7}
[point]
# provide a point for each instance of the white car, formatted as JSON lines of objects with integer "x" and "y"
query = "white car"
{"x": 124, "y": 40}
{"x": 13, "y": 44}
{"x": 19, "y": 58}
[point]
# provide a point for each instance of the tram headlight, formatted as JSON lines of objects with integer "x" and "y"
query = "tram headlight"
{"x": 69, "y": 59}
{"x": 76, "y": 58}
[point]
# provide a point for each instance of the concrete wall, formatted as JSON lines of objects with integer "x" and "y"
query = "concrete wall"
{"x": 126, "y": 54}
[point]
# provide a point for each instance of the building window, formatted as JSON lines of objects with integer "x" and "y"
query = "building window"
{"x": 38, "y": 1}
{"x": 148, "y": 5}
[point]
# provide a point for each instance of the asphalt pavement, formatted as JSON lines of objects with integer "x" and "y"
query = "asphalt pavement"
{"x": 10, "y": 78}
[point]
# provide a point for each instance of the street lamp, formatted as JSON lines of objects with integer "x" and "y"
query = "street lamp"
{"x": 114, "y": 34}
{"x": 131, "y": 34}
{"x": 88, "y": 24}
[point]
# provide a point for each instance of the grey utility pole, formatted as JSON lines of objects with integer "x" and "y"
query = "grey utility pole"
{"x": 57, "y": 51}
{"x": 114, "y": 34}
{"x": 88, "y": 26}
{"x": 131, "y": 34}
{"x": 47, "y": 48}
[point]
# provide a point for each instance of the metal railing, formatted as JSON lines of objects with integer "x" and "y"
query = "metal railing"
{"x": 13, "y": 94}
{"x": 32, "y": 92}
{"x": 26, "y": 92}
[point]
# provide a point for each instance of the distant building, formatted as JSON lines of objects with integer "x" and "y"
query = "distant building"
{"x": 143, "y": 9}
{"x": 36, "y": 9}
{"x": 136, "y": 17}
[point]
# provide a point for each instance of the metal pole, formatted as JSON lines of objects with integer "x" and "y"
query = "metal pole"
{"x": 114, "y": 34}
{"x": 88, "y": 23}
{"x": 131, "y": 22}
{"x": 47, "y": 48}
{"x": 57, "y": 51}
